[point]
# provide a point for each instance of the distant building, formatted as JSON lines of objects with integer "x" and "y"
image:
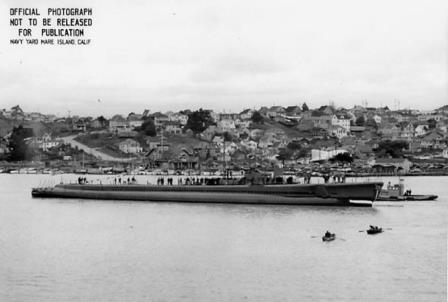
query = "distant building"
{"x": 135, "y": 120}
{"x": 46, "y": 142}
{"x": 246, "y": 114}
{"x": 173, "y": 127}
{"x": 392, "y": 165}
{"x": 407, "y": 131}
{"x": 160, "y": 119}
{"x": 421, "y": 130}
{"x": 293, "y": 110}
{"x": 274, "y": 111}
{"x": 130, "y": 146}
{"x": 389, "y": 131}
{"x": 226, "y": 124}
{"x": 118, "y": 124}
{"x": 338, "y": 131}
{"x": 179, "y": 117}
{"x": 79, "y": 125}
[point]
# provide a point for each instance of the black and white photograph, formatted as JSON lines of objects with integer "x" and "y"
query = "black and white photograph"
{"x": 222, "y": 150}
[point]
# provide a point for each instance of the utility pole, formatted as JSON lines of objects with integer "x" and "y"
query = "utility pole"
{"x": 161, "y": 142}
{"x": 224, "y": 157}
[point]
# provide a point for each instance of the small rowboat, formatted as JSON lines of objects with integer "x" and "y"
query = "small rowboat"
{"x": 374, "y": 230}
{"x": 329, "y": 237}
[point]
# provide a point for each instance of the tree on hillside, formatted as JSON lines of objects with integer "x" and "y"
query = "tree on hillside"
{"x": 148, "y": 127}
{"x": 285, "y": 154}
{"x": 257, "y": 118}
{"x": 102, "y": 121}
{"x": 342, "y": 158}
{"x": 305, "y": 107}
{"x": 17, "y": 145}
{"x": 199, "y": 120}
{"x": 360, "y": 121}
{"x": 432, "y": 123}
{"x": 294, "y": 145}
{"x": 371, "y": 123}
{"x": 391, "y": 148}
{"x": 227, "y": 136}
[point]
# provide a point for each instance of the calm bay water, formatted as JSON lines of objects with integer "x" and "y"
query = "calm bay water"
{"x": 75, "y": 250}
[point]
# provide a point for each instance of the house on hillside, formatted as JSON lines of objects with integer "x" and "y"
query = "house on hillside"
{"x": 321, "y": 120}
{"x": 326, "y": 110}
{"x": 179, "y": 117}
{"x": 226, "y": 124}
{"x": 184, "y": 158}
{"x": 392, "y": 165}
{"x": 160, "y": 119}
{"x": 338, "y": 131}
{"x": 130, "y": 146}
{"x": 341, "y": 120}
{"x": 397, "y": 116}
{"x": 36, "y": 117}
{"x": 293, "y": 111}
{"x": 173, "y": 127}
{"x": 246, "y": 114}
{"x": 79, "y": 125}
{"x": 434, "y": 140}
{"x": 46, "y": 142}
{"x": 376, "y": 118}
{"x": 99, "y": 123}
{"x": 209, "y": 133}
{"x": 242, "y": 124}
{"x": 421, "y": 129}
{"x": 390, "y": 131}
{"x": 274, "y": 111}
{"x": 227, "y": 116}
{"x": 318, "y": 132}
{"x": 218, "y": 141}
{"x": 118, "y": 124}
{"x": 135, "y": 120}
{"x": 406, "y": 131}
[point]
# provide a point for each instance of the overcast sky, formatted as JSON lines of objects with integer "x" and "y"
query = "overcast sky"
{"x": 230, "y": 55}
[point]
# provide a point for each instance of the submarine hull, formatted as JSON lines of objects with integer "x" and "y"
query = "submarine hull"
{"x": 326, "y": 195}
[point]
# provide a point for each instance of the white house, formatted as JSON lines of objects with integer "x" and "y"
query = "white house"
{"x": 130, "y": 146}
{"x": 173, "y": 127}
{"x": 118, "y": 124}
{"x": 421, "y": 130}
{"x": 338, "y": 131}
{"x": 226, "y": 124}
{"x": 179, "y": 117}
{"x": 341, "y": 121}
{"x": 377, "y": 118}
